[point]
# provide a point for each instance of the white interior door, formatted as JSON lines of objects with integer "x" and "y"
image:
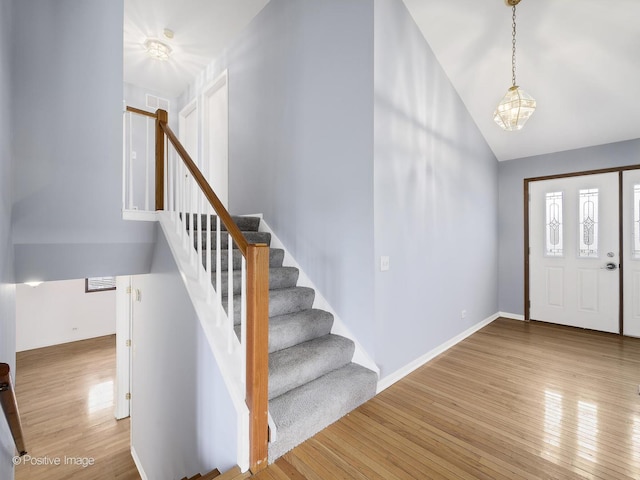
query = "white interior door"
{"x": 574, "y": 251}
{"x": 631, "y": 254}
{"x": 216, "y": 137}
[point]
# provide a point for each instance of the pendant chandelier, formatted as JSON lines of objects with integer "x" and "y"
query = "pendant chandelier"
{"x": 516, "y": 106}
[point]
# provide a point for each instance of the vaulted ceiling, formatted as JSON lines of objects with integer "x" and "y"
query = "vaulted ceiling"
{"x": 580, "y": 59}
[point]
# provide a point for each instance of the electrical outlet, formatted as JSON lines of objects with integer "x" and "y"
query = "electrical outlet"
{"x": 134, "y": 155}
{"x": 384, "y": 263}
{"x": 463, "y": 314}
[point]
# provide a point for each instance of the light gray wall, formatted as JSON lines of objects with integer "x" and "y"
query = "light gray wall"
{"x": 182, "y": 419}
{"x": 301, "y": 141}
{"x": 435, "y": 199}
{"x": 511, "y": 201}
{"x": 67, "y": 77}
{"x": 7, "y": 289}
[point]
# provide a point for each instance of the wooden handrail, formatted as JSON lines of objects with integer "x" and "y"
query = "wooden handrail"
{"x": 142, "y": 112}
{"x": 10, "y": 408}
{"x": 257, "y": 256}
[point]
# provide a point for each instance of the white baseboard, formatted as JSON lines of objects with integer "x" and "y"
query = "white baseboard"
{"x": 512, "y": 316}
{"x": 136, "y": 460}
{"x": 389, "y": 380}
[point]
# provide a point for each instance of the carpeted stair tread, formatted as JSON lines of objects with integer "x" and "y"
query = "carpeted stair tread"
{"x": 251, "y": 237}
{"x": 304, "y": 411}
{"x": 276, "y": 256}
{"x": 288, "y": 330}
{"x": 302, "y": 363}
{"x": 298, "y": 327}
{"x": 246, "y": 224}
{"x": 279, "y": 277}
{"x": 281, "y": 301}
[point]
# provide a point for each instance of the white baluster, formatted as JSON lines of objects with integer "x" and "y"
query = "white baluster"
{"x": 218, "y": 268}
{"x": 208, "y": 254}
{"x": 130, "y": 161}
{"x": 170, "y": 179}
{"x": 165, "y": 166}
{"x": 201, "y": 232}
{"x": 146, "y": 167}
{"x": 192, "y": 221}
{"x": 124, "y": 159}
{"x": 179, "y": 198}
{"x": 230, "y": 292}
{"x": 243, "y": 322}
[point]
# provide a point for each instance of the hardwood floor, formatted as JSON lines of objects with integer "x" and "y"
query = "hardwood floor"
{"x": 515, "y": 400}
{"x": 66, "y": 398}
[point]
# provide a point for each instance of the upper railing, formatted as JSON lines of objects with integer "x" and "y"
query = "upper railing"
{"x": 200, "y": 219}
{"x": 10, "y": 408}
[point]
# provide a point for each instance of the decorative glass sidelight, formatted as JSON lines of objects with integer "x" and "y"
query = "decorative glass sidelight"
{"x": 636, "y": 222}
{"x": 588, "y": 218}
{"x": 553, "y": 225}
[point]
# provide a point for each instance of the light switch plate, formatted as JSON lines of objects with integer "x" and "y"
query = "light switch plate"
{"x": 384, "y": 263}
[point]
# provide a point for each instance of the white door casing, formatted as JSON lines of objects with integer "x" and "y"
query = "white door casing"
{"x": 215, "y": 100}
{"x": 123, "y": 346}
{"x": 631, "y": 253}
{"x": 573, "y": 288}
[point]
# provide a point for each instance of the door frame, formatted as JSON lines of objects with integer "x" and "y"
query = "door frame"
{"x": 219, "y": 84}
{"x": 526, "y": 182}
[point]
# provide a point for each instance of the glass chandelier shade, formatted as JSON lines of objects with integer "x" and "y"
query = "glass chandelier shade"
{"x": 516, "y": 106}
{"x": 514, "y": 109}
{"x": 158, "y": 50}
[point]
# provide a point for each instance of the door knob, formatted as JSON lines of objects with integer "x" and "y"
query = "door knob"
{"x": 611, "y": 266}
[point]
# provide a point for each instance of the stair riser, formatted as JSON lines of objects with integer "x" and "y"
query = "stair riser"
{"x": 288, "y": 330}
{"x": 281, "y": 302}
{"x": 303, "y": 363}
{"x": 279, "y": 277}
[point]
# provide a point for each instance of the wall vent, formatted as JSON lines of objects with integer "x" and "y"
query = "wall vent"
{"x": 155, "y": 103}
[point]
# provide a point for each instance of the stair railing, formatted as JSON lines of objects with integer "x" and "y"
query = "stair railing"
{"x": 182, "y": 190}
{"x": 10, "y": 408}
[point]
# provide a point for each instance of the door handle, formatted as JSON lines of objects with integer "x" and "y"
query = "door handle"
{"x": 610, "y": 266}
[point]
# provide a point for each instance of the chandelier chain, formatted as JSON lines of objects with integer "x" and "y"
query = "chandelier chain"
{"x": 513, "y": 47}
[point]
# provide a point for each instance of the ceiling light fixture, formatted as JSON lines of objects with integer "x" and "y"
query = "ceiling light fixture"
{"x": 516, "y": 106}
{"x": 156, "y": 49}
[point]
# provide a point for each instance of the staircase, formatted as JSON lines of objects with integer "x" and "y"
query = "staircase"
{"x": 312, "y": 380}
{"x": 209, "y": 476}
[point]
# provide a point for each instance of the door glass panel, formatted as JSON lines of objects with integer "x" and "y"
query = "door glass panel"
{"x": 588, "y": 237}
{"x": 636, "y": 222}
{"x": 553, "y": 221}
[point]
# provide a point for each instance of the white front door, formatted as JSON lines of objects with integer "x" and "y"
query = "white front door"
{"x": 574, "y": 251}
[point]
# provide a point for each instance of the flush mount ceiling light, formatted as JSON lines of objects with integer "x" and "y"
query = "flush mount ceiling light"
{"x": 156, "y": 49}
{"x": 516, "y": 106}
